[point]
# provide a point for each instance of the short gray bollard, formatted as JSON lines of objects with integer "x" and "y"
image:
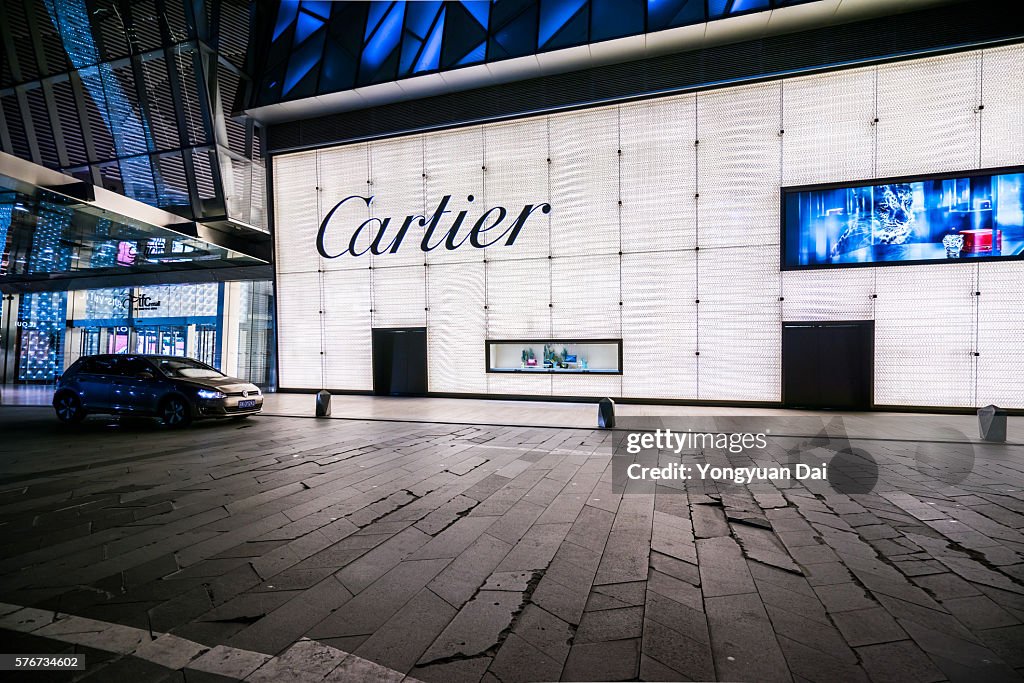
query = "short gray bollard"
{"x": 323, "y": 403}
{"x": 606, "y": 413}
{"x": 992, "y": 423}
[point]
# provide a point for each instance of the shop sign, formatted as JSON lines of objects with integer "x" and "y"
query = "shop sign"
{"x": 381, "y": 236}
{"x": 142, "y": 302}
{"x": 27, "y": 324}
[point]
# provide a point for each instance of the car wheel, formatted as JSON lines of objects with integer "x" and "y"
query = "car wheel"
{"x": 69, "y": 408}
{"x": 176, "y": 413}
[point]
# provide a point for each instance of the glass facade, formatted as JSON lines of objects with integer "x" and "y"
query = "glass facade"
{"x": 226, "y": 325}
{"x": 138, "y": 97}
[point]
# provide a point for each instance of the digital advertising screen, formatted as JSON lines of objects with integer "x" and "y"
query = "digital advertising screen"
{"x": 952, "y": 217}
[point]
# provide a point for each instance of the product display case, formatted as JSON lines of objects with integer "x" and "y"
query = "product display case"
{"x": 543, "y": 356}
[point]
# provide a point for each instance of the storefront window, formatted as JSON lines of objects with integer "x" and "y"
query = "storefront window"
{"x": 599, "y": 356}
{"x": 229, "y": 326}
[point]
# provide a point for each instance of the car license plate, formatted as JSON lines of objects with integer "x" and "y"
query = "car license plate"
{"x": 242, "y": 405}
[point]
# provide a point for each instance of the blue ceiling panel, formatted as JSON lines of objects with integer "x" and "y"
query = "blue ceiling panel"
{"x": 384, "y": 40}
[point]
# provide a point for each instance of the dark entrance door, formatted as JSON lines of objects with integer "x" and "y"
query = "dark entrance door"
{"x": 400, "y": 361}
{"x": 828, "y": 364}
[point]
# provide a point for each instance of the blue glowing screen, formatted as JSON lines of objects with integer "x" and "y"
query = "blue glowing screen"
{"x": 954, "y": 217}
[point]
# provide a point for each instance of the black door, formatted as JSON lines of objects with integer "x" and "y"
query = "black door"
{"x": 400, "y": 361}
{"x": 828, "y": 364}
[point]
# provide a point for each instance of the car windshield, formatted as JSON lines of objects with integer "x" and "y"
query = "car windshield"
{"x": 185, "y": 368}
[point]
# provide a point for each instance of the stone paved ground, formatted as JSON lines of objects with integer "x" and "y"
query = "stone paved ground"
{"x": 470, "y": 553}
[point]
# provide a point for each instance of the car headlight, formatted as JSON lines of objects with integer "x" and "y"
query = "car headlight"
{"x": 210, "y": 393}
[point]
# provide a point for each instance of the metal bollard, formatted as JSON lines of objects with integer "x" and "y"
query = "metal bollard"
{"x": 992, "y": 423}
{"x": 606, "y": 413}
{"x": 323, "y": 403}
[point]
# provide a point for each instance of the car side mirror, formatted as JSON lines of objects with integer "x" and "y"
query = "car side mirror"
{"x": 144, "y": 375}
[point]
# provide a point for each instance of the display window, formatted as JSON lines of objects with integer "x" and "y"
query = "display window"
{"x": 545, "y": 356}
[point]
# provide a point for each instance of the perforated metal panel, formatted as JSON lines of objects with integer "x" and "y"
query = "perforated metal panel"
{"x": 926, "y": 115}
{"x": 585, "y": 297}
{"x": 515, "y": 157}
{"x": 342, "y": 172}
{"x": 1002, "y": 120}
{"x": 298, "y": 317}
{"x": 832, "y": 294}
{"x": 295, "y": 212}
{"x": 348, "y": 348}
{"x": 399, "y": 296}
{"x": 587, "y": 385}
{"x": 738, "y": 166}
{"x": 454, "y": 166}
{"x": 396, "y": 183}
{"x": 585, "y": 182}
{"x": 924, "y": 335}
{"x": 658, "y": 174}
{"x": 518, "y": 294}
{"x": 739, "y": 325}
{"x": 659, "y": 325}
{"x": 521, "y": 384}
{"x": 1000, "y": 335}
{"x": 455, "y": 328}
{"x": 827, "y": 122}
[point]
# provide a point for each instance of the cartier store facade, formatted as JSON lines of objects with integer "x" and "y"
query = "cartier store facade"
{"x": 856, "y": 226}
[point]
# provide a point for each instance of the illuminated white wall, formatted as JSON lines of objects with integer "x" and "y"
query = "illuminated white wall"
{"x": 671, "y": 244}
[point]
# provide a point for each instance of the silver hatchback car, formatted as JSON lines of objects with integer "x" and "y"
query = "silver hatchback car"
{"x": 177, "y": 390}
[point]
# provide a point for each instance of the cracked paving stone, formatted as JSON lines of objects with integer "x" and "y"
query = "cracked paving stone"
{"x": 508, "y": 581}
{"x": 762, "y": 545}
{"x": 476, "y": 628}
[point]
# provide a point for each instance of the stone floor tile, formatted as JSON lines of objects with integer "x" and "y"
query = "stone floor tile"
{"x": 898, "y": 662}
{"x": 708, "y": 521}
{"x": 1007, "y": 642}
{"x": 353, "y": 668}
{"x": 843, "y": 597}
{"x": 544, "y": 631}
{"x": 824, "y": 638}
{"x": 286, "y": 624}
{"x": 519, "y": 661}
{"x": 674, "y": 588}
{"x": 617, "y": 595}
{"x": 868, "y": 626}
{"x": 536, "y": 548}
{"x": 722, "y": 568}
{"x": 459, "y": 671}
{"x": 460, "y": 579}
{"x": 674, "y": 651}
{"x": 370, "y": 609}
{"x": 170, "y": 651}
{"x": 612, "y": 624}
{"x": 229, "y": 661}
{"x": 400, "y": 642}
{"x": 306, "y": 660}
{"x": 476, "y": 628}
{"x": 614, "y": 661}
{"x": 978, "y": 612}
{"x": 743, "y": 641}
